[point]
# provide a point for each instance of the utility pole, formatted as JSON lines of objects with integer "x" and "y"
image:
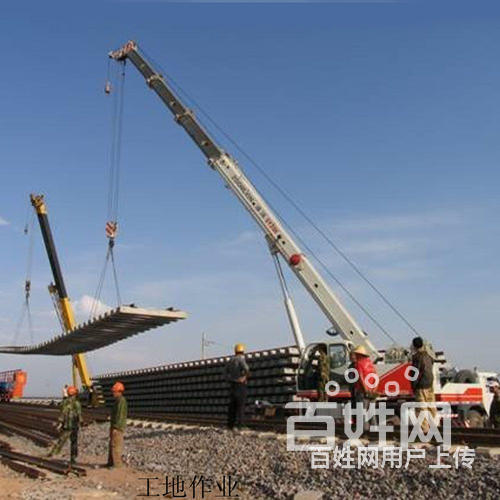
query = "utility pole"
{"x": 205, "y": 343}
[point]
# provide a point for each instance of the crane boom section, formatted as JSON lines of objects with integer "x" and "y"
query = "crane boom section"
{"x": 64, "y": 303}
{"x": 245, "y": 191}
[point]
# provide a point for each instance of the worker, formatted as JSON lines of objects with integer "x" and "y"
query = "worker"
{"x": 323, "y": 373}
{"x": 423, "y": 385}
{"x": 237, "y": 373}
{"x": 364, "y": 393}
{"x": 495, "y": 408}
{"x": 117, "y": 425}
{"x": 70, "y": 420}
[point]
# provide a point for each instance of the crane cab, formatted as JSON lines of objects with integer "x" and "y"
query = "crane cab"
{"x": 308, "y": 373}
{"x": 390, "y": 365}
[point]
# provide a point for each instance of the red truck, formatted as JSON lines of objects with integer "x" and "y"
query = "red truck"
{"x": 12, "y": 384}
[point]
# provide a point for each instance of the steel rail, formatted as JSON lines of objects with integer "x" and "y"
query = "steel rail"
{"x": 459, "y": 436}
{"x": 35, "y": 436}
{"x": 44, "y": 463}
{"x": 23, "y": 469}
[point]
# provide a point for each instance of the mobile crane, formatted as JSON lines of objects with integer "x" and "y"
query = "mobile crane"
{"x": 391, "y": 365}
{"x": 59, "y": 294}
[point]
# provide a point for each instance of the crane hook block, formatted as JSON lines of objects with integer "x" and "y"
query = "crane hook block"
{"x": 111, "y": 229}
{"x": 107, "y": 87}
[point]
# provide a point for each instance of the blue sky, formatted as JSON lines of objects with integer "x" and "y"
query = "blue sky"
{"x": 380, "y": 119}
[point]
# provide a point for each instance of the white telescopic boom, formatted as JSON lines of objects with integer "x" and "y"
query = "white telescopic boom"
{"x": 227, "y": 167}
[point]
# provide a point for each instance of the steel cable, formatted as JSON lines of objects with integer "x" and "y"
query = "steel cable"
{"x": 303, "y": 214}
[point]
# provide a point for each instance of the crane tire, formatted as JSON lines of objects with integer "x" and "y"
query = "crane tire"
{"x": 474, "y": 419}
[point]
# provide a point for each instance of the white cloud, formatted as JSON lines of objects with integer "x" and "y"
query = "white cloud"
{"x": 86, "y": 305}
{"x": 402, "y": 221}
{"x": 243, "y": 239}
{"x": 405, "y": 271}
{"x": 4, "y": 222}
{"x": 395, "y": 247}
{"x": 121, "y": 355}
{"x": 241, "y": 244}
{"x": 389, "y": 246}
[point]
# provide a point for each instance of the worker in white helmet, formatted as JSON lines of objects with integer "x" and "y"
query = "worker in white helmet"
{"x": 237, "y": 373}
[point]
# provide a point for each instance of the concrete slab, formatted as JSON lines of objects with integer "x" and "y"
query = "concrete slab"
{"x": 111, "y": 327}
{"x": 356, "y": 443}
{"x": 487, "y": 451}
{"x": 247, "y": 432}
{"x": 267, "y": 435}
{"x": 309, "y": 495}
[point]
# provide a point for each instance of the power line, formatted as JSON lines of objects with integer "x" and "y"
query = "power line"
{"x": 315, "y": 226}
{"x": 304, "y": 214}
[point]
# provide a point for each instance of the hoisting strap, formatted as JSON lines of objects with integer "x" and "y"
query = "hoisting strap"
{"x": 110, "y": 257}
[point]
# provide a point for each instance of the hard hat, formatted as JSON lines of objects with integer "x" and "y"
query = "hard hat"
{"x": 118, "y": 387}
{"x": 361, "y": 350}
{"x": 239, "y": 348}
{"x": 72, "y": 390}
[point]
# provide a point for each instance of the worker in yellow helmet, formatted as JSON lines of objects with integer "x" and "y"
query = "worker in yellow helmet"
{"x": 237, "y": 373}
{"x": 117, "y": 426}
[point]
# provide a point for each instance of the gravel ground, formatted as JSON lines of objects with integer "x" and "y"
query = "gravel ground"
{"x": 100, "y": 483}
{"x": 265, "y": 469}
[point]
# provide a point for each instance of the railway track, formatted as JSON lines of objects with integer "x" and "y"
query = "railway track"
{"x": 459, "y": 436}
{"x": 33, "y": 466}
{"x": 38, "y": 422}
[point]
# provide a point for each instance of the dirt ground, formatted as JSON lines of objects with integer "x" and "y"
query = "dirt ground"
{"x": 100, "y": 483}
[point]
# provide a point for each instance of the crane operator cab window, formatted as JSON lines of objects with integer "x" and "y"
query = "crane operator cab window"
{"x": 309, "y": 369}
{"x": 338, "y": 356}
{"x": 339, "y": 361}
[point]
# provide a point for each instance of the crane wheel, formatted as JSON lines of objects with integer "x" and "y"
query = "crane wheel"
{"x": 474, "y": 419}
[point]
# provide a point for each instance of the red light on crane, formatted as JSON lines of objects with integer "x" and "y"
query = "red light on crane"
{"x": 295, "y": 259}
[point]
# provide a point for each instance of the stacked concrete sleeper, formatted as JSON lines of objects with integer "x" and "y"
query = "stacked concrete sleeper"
{"x": 199, "y": 387}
